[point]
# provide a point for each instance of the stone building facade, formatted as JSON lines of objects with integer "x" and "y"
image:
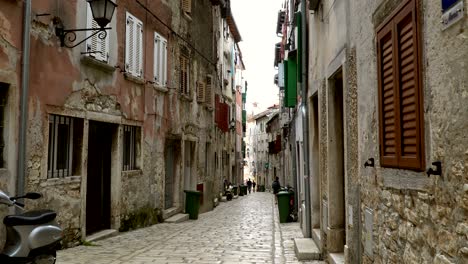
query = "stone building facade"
{"x": 415, "y": 217}
{"x": 384, "y": 106}
{"x": 117, "y": 127}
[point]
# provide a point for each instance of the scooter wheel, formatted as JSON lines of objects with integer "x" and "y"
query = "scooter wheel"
{"x": 45, "y": 258}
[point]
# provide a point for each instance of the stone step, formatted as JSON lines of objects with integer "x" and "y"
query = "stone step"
{"x": 102, "y": 235}
{"x": 306, "y": 249}
{"x": 336, "y": 258}
{"x": 178, "y": 218}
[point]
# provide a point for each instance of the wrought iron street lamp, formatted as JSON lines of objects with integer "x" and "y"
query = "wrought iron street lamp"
{"x": 102, "y": 11}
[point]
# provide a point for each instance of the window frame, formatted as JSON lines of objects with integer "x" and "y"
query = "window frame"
{"x": 133, "y": 59}
{"x": 391, "y": 25}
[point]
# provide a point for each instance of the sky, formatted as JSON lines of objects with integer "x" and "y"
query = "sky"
{"x": 256, "y": 21}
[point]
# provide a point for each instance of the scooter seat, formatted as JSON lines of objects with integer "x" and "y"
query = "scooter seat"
{"x": 36, "y": 217}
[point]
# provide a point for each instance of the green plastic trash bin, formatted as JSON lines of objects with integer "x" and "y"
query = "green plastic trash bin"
{"x": 192, "y": 203}
{"x": 283, "y": 206}
{"x": 241, "y": 190}
{"x": 234, "y": 190}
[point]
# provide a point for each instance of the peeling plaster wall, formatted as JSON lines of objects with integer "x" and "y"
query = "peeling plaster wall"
{"x": 64, "y": 82}
{"x": 11, "y": 15}
{"x": 415, "y": 218}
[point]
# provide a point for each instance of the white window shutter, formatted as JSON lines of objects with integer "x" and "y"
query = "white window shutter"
{"x": 91, "y": 43}
{"x": 160, "y": 46}
{"x": 157, "y": 47}
{"x": 129, "y": 45}
{"x": 139, "y": 49}
{"x": 105, "y": 47}
{"x": 164, "y": 62}
{"x": 98, "y": 48}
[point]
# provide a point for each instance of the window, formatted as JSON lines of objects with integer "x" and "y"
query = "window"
{"x": 201, "y": 92}
{"x": 187, "y": 6}
{"x": 184, "y": 75}
{"x": 131, "y": 147}
{"x": 60, "y": 146}
{"x": 134, "y": 46}
{"x": 209, "y": 90}
{"x": 95, "y": 46}
{"x": 3, "y": 103}
{"x": 400, "y": 95}
{"x": 160, "y": 60}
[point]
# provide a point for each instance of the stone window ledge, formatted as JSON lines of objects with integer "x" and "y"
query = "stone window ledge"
{"x": 160, "y": 88}
{"x": 187, "y": 16}
{"x": 401, "y": 179}
{"x": 137, "y": 80}
{"x": 61, "y": 181}
{"x": 132, "y": 173}
{"x": 92, "y": 62}
{"x": 185, "y": 97}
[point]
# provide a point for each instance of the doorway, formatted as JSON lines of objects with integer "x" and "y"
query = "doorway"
{"x": 169, "y": 176}
{"x": 336, "y": 173}
{"x": 98, "y": 187}
{"x": 189, "y": 182}
{"x": 314, "y": 166}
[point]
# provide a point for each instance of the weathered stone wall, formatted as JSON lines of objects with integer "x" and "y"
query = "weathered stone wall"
{"x": 328, "y": 54}
{"x": 415, "y": 218}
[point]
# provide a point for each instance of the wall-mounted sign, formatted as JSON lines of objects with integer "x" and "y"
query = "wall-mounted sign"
{"x": 446, "y": 4}
{"x": 452, "y": 12}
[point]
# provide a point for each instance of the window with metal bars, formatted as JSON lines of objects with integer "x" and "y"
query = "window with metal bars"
{"x": 130, "y": 147}
{"x": 60, "y": 156}
{"x": 3, "y": 102}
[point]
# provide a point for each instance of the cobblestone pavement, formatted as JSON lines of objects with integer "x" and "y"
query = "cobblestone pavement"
{"x": 244, "y": 230}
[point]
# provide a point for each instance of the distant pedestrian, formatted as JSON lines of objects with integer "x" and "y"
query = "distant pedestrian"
{"x": 253, "y": 185}
{"x": 276, "y": 187}
{"x": 249, "y": 185}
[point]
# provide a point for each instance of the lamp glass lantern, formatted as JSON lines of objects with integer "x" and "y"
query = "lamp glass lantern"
{"x": 102, "y": 10}
{"x": 232, "y": 124}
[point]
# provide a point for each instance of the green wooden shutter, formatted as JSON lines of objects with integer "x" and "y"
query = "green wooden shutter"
{"x": 290, "y": 93}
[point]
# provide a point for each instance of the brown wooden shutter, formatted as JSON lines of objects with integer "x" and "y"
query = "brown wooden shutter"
{"x": 200, "y": 92}
{"x": 183, "y": 74}
{"x": 388, "y": 96}
{"x": 208, "y": 90}
{"x": 410, "y": 103}
{"x": 187, "y": 6}
{"x": 400, "y": 95}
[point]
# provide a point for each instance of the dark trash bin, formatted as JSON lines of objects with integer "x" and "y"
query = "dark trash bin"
{"x": 192, "y": 203}
{"x": 244, "y": 189}
{"x": 283, "y": 205}
{"x": 234, "y": 190}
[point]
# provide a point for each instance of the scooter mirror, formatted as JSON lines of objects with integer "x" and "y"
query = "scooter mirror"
{"x": 33, "y": 195}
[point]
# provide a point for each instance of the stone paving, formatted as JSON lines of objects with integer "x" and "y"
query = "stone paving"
{"x": 244, "y": 230}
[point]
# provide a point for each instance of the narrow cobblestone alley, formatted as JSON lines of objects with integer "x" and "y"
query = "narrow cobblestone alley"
{"x": 244, "y": 230}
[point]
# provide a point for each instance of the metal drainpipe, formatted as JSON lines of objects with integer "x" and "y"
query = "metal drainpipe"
{"x": 24, "y": 99}
{"x": 305, "y": 119}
